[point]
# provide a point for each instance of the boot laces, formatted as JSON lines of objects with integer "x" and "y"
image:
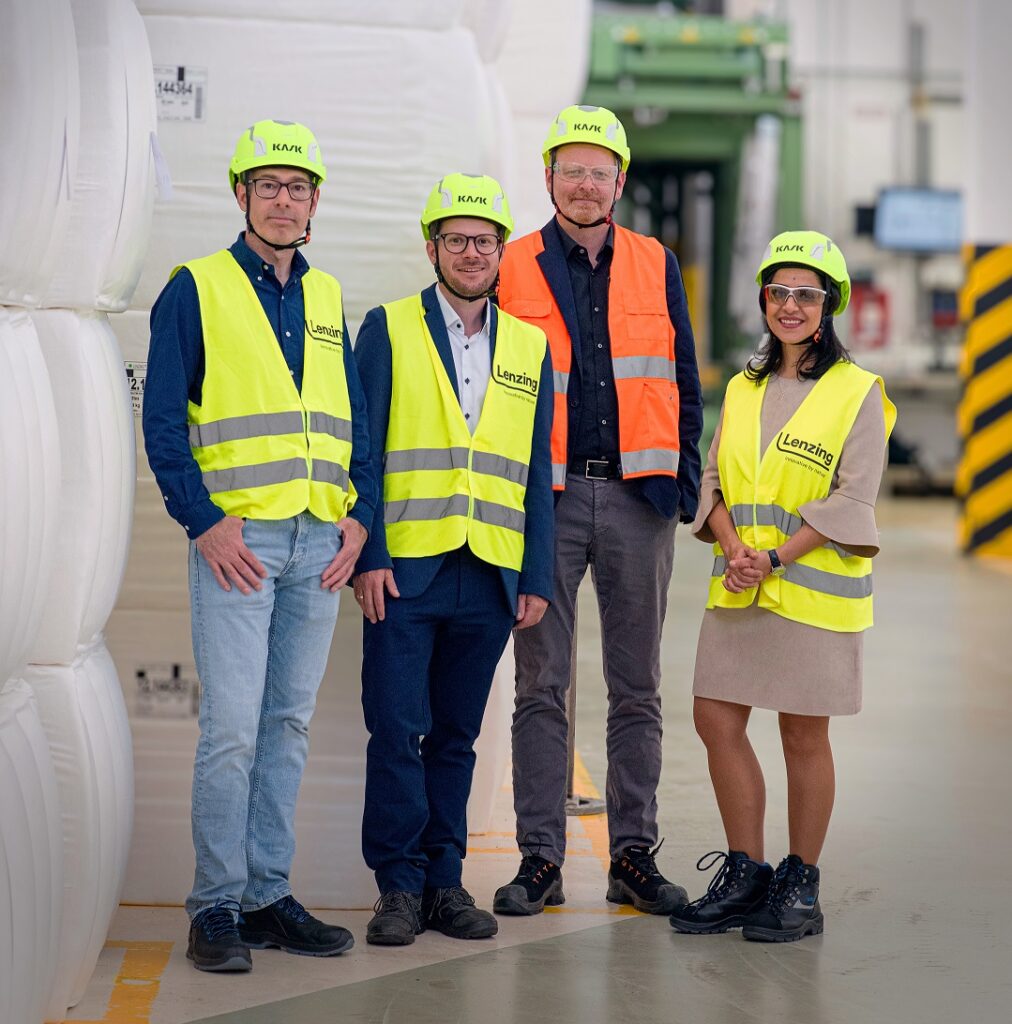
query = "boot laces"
{"x": 291, "y": 907}
{"x": 785, "y": 889}
{"x": 217, "y": 921}
{"x": 641, "y": 858}
{"x": 455, "y": 896}
{"x": 724, "y": 881}
{"x": 532, "y": 863}
{"x": 398, "y": 903}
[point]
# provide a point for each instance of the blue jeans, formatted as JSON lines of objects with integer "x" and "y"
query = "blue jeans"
{"x": 260, "y": 658}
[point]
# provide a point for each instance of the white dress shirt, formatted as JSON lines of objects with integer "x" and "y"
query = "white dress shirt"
{"x": 472, "y": 359}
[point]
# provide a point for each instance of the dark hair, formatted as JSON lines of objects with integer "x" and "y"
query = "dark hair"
{"x": 818, "y": 356}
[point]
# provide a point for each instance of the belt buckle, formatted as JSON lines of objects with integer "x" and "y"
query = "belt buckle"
{"x": 596, "y": 462}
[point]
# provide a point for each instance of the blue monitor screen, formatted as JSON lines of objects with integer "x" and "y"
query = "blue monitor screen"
{"x": 919, "y": 220}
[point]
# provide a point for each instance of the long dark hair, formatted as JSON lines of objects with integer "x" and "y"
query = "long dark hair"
{"x": 818, "y": 356}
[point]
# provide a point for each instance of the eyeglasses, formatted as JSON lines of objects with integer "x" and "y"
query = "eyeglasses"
{"x": 267, "y": 188}
{"x": 778, "y": 294}
{"x": 455, "y": 243}
{"x": 601, "y": 175}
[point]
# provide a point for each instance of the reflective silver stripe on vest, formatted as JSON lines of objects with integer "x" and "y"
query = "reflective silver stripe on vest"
{"x": 327, "y": 472}
{"x": 500, "y": 466}
{"x": 238, "y": 428}
{"x": 626, "y": 367}
{"x": 815, "y": 579}
{"x": 650, "y": 460}
{"x": 561, "y": 380}
{"x": 324, "y": 423}
{"x": 241, "y": 478}
{"x": 410, "y": 459}
{"x": 425, "y": 508}
{"x": 558, "y": 474}
{"x": 493, "y": 514}
{"x": 784, "y": 521}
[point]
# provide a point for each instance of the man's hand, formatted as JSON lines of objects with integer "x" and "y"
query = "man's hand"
{"x": 225, "y": 552}
{"x": 353, "y": 535}
{"x": 530, "y": 610}
{"x": 371, "y": 589}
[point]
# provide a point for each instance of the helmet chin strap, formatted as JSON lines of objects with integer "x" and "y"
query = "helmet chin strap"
{"x": 298, "y": 243}
{"x": 580, "y": 224}
{"x": 487, "y": 294}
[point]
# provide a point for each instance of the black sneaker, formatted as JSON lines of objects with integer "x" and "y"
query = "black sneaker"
{"x": 214, "y": 940}
{"x": 538, "y": 884}
{"x": 737, "y": 889}
{"x": 634, "y": 878}
{"x": 452, "y": 912}
{"x": 397, "y": 919}
{"x": 287, "y": 925}
{"x": 791, "y": 910}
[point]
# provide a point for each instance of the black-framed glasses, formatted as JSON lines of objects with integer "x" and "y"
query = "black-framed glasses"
{"x": 456, "y": 243}
{"x": 778, "y": 294}
{"x": 604, "y": 174}
{"x": 268, "y": 188}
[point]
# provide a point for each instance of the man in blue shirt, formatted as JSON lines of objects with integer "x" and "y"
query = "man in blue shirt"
{"x": 255, "y": 428}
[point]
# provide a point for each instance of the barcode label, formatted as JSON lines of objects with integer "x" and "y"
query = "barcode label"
{"x": 137, "y": 374}
{"x": 180, "y": 92}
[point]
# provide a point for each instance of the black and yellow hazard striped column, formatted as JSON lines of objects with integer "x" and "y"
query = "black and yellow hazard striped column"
{"x": 984, "y": 479}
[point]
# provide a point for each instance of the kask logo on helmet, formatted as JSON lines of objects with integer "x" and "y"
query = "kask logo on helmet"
{"x": 286, "y": 147}
{"x": 586, "y": 128}
{"x": 481, "y": 200}
{"x": 790, "y": 248}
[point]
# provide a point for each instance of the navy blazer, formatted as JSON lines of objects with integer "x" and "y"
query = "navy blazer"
{"x": 413, "y": 575}
{"x": 670, "y": 496}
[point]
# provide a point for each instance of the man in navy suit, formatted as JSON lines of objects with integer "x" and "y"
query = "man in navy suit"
{"x": 460, "y": 551}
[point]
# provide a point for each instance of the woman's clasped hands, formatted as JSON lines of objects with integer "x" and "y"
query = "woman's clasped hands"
{"x": 746, "y": 568}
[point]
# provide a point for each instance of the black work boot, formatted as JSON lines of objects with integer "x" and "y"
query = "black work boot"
{"x": 634, "y": 878}
{"x": 737, "y": 889}
{"x": 397, "y": 919}
{"x": 791, "y": 910}
{"x": 538, "y": 884}
{"x": 286, "y": 924}
{"x": 452, "y": 912}
{"x": 214, "y": 940}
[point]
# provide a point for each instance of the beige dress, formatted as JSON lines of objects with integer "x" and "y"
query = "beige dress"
{"x": 755, "y": 657}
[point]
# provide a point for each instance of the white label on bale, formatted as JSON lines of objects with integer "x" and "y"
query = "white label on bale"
{"x": 180, "y": 92}
{"x": 137, "y": 374}
{"x": 166, "y": 691}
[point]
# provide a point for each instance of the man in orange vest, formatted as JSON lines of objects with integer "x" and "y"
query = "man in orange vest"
{"x": 625, "y": 468}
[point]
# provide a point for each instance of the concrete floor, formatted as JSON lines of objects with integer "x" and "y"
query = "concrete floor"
{"x": 916, "y": 887}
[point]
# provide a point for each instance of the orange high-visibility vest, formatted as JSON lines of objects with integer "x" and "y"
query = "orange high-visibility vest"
{"x": 642, "y": 348}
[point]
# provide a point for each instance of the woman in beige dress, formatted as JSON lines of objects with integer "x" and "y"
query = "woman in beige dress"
{"x": 755, "y": 647}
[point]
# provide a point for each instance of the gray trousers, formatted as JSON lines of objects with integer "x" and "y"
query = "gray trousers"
{"x": 630, "y": 550}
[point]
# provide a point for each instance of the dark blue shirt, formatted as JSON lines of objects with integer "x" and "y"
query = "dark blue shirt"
{"x": 592, "y": 398}
{"x": 176, "y": 375}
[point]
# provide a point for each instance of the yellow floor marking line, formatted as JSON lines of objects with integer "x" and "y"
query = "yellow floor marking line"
{"x": 137, "y": 983}
{"x": 595, "y": 825}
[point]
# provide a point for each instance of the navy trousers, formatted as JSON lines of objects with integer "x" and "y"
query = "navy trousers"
{"x": 426, "y": 673}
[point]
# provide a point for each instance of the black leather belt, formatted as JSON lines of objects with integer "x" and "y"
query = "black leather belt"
{"x": 597, "y": 469}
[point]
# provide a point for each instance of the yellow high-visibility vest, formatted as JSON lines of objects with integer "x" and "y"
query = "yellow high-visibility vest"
{"x": 763, "y": 491}
{"x": 265, "y": 450}
{"x": 443, "y": 487}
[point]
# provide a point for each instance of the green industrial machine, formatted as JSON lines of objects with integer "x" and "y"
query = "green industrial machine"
{"x": 691, "y": 90}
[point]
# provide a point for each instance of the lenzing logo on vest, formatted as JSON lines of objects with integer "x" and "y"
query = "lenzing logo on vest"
{"x": 325, "y": 332}
{"x": 811, "y": 451}
{"x": 515, "y": 381}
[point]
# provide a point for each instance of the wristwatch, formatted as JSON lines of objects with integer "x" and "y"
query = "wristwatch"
{"x": 777, "y": 567}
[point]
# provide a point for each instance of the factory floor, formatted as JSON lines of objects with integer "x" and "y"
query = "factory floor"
{"x": 916, "y": 877}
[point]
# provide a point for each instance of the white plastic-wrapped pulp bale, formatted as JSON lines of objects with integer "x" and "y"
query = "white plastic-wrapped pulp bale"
{"x": 390, "y": 117}
{"x": 29, "y": 487}
{"x": 82, "y": 713}
{"x": 542, "y": 66}
{"x": 420, "y": 14}
{"x": 31, "y": 860}
{"x": 106, "y": 236}
{"x": 39, "y": 115}
{"x": 489, "y": 20}
{"x": 96, "y": 438}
